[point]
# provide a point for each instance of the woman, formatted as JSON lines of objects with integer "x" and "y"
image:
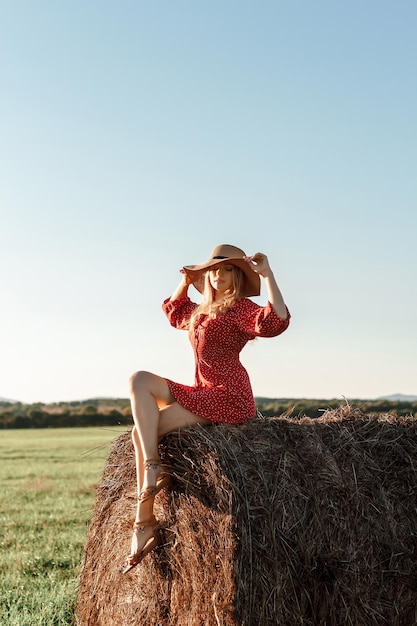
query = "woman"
{"x": 218, "y": 330}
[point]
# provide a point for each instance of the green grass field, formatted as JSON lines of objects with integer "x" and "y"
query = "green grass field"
{"x": 47, "y": 482}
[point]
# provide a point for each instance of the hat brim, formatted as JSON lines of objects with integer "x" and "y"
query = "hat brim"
{"x": 252, "y": 282}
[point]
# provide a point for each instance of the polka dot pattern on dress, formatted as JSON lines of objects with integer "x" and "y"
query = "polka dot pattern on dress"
{"x": 222, "y": 390}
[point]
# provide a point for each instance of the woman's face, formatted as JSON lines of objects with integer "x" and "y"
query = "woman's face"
{"x": 221, "y": 277}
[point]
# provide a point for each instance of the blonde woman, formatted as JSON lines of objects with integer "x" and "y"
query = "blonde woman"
{"x": 218, "y": 329}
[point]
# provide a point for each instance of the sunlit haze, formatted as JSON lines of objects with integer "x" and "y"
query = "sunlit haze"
{"x": 136, "y": 136}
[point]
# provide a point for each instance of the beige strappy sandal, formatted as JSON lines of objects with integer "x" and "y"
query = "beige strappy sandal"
{"x": 164, "y": 480}
{"x": 154, "y": 540}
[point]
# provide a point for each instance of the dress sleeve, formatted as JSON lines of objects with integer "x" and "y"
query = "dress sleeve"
{"x": 179, "y": 312}
{"x": 261, "y": 321}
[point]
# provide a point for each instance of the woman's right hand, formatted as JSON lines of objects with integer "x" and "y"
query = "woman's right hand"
{"x": 186, "y": 278}
{"x": 182, "y": 289}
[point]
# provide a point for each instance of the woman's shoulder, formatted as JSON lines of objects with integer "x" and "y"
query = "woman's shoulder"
{"x": 244, "y": 305}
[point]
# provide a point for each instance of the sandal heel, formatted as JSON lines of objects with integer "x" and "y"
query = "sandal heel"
{"x": 153, "y": 542}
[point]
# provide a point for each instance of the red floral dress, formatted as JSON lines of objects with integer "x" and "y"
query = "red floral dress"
{"x": 222, "y": 391}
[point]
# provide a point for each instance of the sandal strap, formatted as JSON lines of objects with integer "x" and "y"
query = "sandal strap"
{"x": 148, "y": 492}
{"x": 141, "y": 525}
{"x": 152, "y": 463}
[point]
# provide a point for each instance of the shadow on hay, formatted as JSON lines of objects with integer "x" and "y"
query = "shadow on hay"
{"x": 277, "y": 521}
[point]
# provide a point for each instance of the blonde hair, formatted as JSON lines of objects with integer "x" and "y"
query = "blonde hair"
{"x": 209, "y": 306}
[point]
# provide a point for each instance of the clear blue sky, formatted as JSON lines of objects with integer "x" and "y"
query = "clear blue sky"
{"x": 136, "y": 136}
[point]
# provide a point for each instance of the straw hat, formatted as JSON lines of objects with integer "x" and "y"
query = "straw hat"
{"x": 231, "y": 255}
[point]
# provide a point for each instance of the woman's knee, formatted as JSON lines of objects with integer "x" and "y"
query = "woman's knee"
{"x": 139, "y": 380}
{"x": 145, "y": 383}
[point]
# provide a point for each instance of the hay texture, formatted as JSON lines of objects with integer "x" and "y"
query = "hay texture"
{"x": 279, "y": 521}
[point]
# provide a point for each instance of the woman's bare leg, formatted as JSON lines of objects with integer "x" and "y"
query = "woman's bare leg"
{"x": 155, "y": 413}
{"x": 139, "y": 461}
{"x": 174, "y": 416}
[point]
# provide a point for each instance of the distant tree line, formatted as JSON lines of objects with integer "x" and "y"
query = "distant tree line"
{"x": 65, "y": 414}
{"x": 115, "y": 412}
{"x": 315, "y": 407}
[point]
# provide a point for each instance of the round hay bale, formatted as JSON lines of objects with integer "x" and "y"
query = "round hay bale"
{"x": 278, "y": 521}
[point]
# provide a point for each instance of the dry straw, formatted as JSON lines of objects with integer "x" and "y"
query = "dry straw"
{"x": 281, "y": 521}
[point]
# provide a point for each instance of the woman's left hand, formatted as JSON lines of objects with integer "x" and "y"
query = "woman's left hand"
{"x": 259, "y": 263}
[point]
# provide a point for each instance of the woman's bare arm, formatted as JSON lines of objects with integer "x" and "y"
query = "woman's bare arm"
{"x": 259, "y": 262}
{"x": 182, "y": 290}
